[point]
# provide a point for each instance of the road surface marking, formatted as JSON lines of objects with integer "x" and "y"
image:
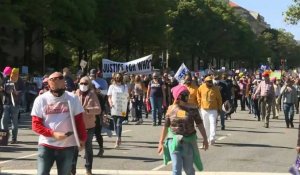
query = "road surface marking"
{"x": 223, "y": 137}
{"x": 160, "y": 166}
{"x": 137, "y": 172}
{"x": 31, "y": 155}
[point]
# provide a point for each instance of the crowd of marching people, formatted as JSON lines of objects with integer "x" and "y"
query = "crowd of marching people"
{"x": 89, "y": 100}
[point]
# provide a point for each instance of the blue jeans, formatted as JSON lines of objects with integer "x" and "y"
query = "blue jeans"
{"x": 156, "y": 104}
{"x": 288, "y": 109}
{"x": 118, "y": 125}
{"x": 10, "y": 113}
{"x": 88, "y": 152}
{"x": 63, "y": 158}
{"x": 182, "y": 158}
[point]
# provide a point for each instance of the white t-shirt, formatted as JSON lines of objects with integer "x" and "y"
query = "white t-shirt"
{"x": 55, "y": 114}
{"x": 114, "y": 89}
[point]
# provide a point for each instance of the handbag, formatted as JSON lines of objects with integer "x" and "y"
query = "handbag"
{"x": 108, "y": 122}
{"x": 148, "y": 106}
{"x": 4, "y": 135}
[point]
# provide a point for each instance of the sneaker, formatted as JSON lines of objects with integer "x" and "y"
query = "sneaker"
{"x": 153, "y": 124}
{"x": 138, "y": 122}
{"x": 100, "y": 153}
{"x": 88, "y": 172}
{"x": 13, "y": 142}
{"x": 223, "y": 128}
{"x": 125, "y": 122}
{"x": 266, "y": 125}
{"x": 212, "y": 142}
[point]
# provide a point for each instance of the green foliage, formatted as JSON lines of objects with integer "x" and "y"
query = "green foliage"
{"x": 71, "y": 30}
{"x": 292, "y": 15}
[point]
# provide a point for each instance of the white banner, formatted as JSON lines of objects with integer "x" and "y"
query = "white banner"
{"x": 119, "y": 102}
{"x": 138, "y": 66}
{"x": 181, "y": 72}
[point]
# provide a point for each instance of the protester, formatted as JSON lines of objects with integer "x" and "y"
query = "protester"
{"x": 297, "y": 86}
{"x": 192, "y": 88}
{"x": 242, "y": 93}
{"x": 179, "y": 130}
{"x": 266, "y": 92}
{"x": 91, "y": 106}
{"x": 113, "y": 91}
{"x": 224, "y": 90}
{"x": 236, "y": 94}
{"x": 276, "y": 103}
{"x": 97, "y": 76}
{"x": 70, "y": 86}
{"x": 210, "y": 104}
{"x": 256, "y": 99}
{"x": 13, "y": 87}
{"x": 45, "y": 86}
{"x": 132, "y": 105}
{"x": 51, "y": 120}
{"x": 167, "y": 91}
{"x": 1, "y": 94}
{"x": 99, "y": 118}
{"x": 138, "y": 91}
{"x": 288, "y": 95}
{"x": 156, "y": 94}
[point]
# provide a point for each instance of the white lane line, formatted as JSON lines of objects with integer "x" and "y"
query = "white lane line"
{"x": 223, "y": 137}
{"x": 31, "y": 155}
{"x": 138, "y": 172}
{"x": 114, "y": 134}
{"x": 160, "y": 166}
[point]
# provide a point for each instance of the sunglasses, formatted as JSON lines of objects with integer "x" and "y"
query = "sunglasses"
{"x": 83, "y": 84}
{"x": 57, "y": 78}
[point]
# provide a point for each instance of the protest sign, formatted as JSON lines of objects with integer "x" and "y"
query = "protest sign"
{"x": 181, "y": 72}
{"x": 24, "y": 70}
{"x": 276, "y": 74}
{"x": 83, "y": 64}
{"x": 119, "y": 104}
{"x": 138, "y": 66}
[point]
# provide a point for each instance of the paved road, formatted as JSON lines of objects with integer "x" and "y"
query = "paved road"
{"x": 245, "y": 147}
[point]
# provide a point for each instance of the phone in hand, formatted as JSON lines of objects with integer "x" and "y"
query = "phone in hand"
{"x": 68, "y": 133}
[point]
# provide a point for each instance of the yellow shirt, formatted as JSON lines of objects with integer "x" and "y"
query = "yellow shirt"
{"x": 209, "y": 98}
{"x": 193, "y": 94}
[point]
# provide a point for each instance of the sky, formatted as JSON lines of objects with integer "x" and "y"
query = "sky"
{"x": 272, "y": 11}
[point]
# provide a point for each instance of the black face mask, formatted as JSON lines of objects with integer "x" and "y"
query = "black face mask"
{"x": 188, "y": 81}
{"x": 58, "y": 92}
{"x": 184, "y": 97}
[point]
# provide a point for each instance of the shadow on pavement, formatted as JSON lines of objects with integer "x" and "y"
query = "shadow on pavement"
{"x": 266, "y": 132}
{"x": 145, "y": 159}
{"x": 251, "y": 145}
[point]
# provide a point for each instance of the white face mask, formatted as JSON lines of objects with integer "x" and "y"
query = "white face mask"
{"x": 215, "y": 81}
{"x": 83, "y": 88}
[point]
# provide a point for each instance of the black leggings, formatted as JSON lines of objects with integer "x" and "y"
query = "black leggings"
{"x": 98, "y": 129}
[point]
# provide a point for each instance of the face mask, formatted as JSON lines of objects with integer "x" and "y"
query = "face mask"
{"x": 215, "y": 81}
{"x": 83, "y": 88}
{"x": 184, "y": 97}
{"x": 59, "y": 91}
{"x": 188, "y": 81}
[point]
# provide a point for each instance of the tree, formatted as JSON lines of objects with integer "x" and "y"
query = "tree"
{"x": 292, "y": 15}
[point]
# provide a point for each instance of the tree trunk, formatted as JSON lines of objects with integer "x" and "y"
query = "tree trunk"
{"x": 27, "y": 46}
